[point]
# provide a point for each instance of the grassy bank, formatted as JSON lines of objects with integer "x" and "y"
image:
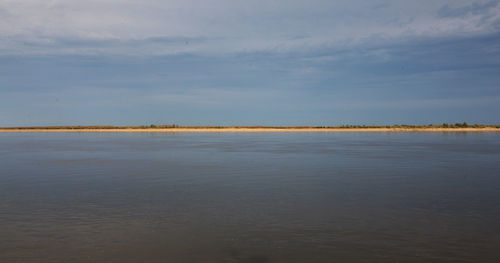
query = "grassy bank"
{"x": 177, "y": 128}
{"x": 173, "y": 126}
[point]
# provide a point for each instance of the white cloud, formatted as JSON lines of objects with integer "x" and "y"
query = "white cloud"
{"x": 130, "y": 27}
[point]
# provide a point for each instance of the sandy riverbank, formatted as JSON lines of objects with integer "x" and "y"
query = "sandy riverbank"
{"x": 229, "y": 129}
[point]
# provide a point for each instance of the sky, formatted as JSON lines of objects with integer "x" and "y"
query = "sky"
{"x": 235, "y": 62}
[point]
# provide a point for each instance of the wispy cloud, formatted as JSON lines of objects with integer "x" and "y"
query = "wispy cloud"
{"x": 154, "y": 27}
{"x": 476, "y": 8}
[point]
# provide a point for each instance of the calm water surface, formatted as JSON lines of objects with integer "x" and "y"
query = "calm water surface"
{"x": 250, "y": 198}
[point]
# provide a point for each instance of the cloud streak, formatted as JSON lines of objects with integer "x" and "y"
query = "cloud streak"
{"x": 153, "y": 27}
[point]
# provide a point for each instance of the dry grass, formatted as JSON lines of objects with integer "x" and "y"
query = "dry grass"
{"x": 252, "y": 129}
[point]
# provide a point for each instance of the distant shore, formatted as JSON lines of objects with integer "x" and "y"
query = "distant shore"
{"x": 253, "y": 129}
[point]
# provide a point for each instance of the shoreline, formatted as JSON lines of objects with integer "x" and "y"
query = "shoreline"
{"x": 250, "y": 130}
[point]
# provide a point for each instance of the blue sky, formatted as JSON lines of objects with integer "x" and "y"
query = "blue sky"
{"x": 224, "y": 62}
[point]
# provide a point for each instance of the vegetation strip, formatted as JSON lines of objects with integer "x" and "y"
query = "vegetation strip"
{"x": 176, "y": 128}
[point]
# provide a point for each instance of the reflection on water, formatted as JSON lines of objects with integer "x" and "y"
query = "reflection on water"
{"x": 249, "y": 198}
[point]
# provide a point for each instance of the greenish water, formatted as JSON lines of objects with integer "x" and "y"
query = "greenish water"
{"x": 256, "y": 197}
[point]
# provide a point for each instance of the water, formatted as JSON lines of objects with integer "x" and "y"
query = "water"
{"x": 250, "y": 198}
